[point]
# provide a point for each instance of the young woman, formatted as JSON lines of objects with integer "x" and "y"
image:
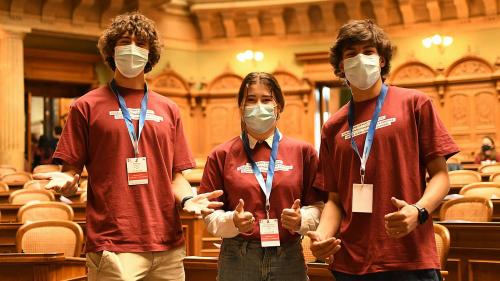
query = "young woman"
{"x": 488, "y": 153}
{"x": 266, "y": 178}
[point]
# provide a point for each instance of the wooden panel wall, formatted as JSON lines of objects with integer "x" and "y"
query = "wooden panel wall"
{"x": 211, "y": 115}
{"x": 466, "y": 95}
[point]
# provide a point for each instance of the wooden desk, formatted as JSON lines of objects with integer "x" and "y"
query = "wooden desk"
{"x": 9, "y": 211}
{"x": 496, "y": 211}
{"x": 49, "y": 267}
{"x": 205, "y": 269}
{"x": 474, "y": 251}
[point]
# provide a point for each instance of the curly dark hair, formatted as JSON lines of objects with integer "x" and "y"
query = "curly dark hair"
{"x": 131, "y": 23}
{"x": 361, "y": 31}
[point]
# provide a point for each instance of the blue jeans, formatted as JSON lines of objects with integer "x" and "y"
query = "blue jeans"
{"x": 244, "y": 260}
{"x": 415, "y": 275}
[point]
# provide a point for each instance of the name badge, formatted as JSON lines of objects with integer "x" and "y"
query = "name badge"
{"x": 362, "y": 198}
{"x": 137, "y": 171}
{"x": 269, "y": 233}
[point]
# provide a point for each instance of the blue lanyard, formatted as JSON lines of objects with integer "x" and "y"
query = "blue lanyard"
{"x": 267, "y": 186}
{"x": 128, "y": 119}
{"x": 371, "y": 130}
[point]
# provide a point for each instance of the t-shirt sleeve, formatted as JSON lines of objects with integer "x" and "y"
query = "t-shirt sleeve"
{"x": 183, "y": 158}
{"x": 72, "y": 147}
{"x": 212, "y": 178}
{"x": 313, "y": 179}
{"x": 325, "y": 164}
{"x": 434, "y": 140}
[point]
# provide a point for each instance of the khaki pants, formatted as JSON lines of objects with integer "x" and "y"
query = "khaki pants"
{"x": 148, "y": 266}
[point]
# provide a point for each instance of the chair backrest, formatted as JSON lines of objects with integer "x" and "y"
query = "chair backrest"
{"x": 47, "y": 168}
{"x": 442, "y": 236}
{"x": 306, "y": 249}
{"x": 83, "y": 197}
{"x": 463, "y": 177}
{"x": 6, "y": 170}
{"x": 495, "y": 177}
{"x": 488, "y": 190}
{"x": 4, "y": 186}
{"x": 83, "y": 184}
{"x": 17, "y": 178}
{"x": 490, "y": 168}
{"x": 23, "y": 196}
{"x": 476, "y": 209}
{"x": 35, "y": 211}
{"x": 35, "y": 184}
{"x": 51, "y": 236}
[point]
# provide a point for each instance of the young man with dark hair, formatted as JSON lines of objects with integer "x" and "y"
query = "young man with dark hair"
{"x": 375, "y": 153}
{"x": 132, "y": 142}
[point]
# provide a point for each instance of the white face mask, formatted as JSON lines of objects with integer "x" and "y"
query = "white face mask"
{"x": 362, "y": 71}
{"x": 259, "y": 118}
{"x": 130, "y": 60}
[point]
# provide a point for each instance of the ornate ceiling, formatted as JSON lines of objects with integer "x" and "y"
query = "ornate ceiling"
{"x": 212, "y": 20}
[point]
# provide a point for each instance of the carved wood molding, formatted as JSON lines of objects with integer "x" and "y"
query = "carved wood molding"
{"x": 171, "y": 84}
{"x": 468, "y": 69}
{"x": 226, "y": 85}
{"x": 292, "y": 85}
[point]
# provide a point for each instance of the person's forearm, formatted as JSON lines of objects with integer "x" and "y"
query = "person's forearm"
{"x": 181, "y": 187}
{"x": 438, "y": 186}
{"x": 331, "y": 217}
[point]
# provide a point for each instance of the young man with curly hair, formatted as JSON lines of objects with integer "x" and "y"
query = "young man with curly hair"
{"x": 132, "y": 142}
{"x": 375, "y": 153}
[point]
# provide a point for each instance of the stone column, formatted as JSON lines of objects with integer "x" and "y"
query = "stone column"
{"x": 12, "y": 117}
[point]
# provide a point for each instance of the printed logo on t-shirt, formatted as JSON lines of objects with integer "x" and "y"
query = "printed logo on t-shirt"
{"x": 362, "y": 128}
{"x": 263, "y": 166}
{"x": 134, "y": 114}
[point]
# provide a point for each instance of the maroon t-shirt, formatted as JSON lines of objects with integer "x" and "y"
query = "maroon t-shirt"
{"x": 123, "y": 218}
{"x": 409, "y": 134}
{"x": 295, "y": 177}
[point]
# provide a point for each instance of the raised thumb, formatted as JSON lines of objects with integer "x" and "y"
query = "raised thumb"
{"x": 398, "y": 203}
{"x": 296, "y": 205}
{"x": 239, "y": 207}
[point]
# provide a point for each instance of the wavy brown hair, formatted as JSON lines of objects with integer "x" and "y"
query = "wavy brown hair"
{"x": 131, "y": 23}
{"x": 361, "y": 31}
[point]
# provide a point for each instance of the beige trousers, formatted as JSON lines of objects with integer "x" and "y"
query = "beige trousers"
{"x": 148, "y": 266}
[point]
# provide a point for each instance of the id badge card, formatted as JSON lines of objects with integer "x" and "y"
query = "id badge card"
{"x": 137, "y": 171}
{"x": 362, "y": 198}
{"x": 269, "y": 233}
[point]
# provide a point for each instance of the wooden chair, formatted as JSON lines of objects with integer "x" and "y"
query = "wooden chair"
{"x": 24, "y": 196}
{"x": 4, "y": 186}
{"x": 35, "y": 211}
{"x": 35, "y": 184}
{"x": 83, "y": 197}
{"x": 6, "y": 170}
{"x": 47, "y": 168}
{"x": 473, "y": 209}
{"x": 51, "y": 236}
{"x": 442, "y": 236}
{"x": 306, "y": 249}
{"x": 489, "y": 190}
{"x": 495, "y": 177}
{"x": 463, "y": 177}
{"x": 17, "y": 178}
{"x": 489, "y": 168}
{"x": 83, "y": 184}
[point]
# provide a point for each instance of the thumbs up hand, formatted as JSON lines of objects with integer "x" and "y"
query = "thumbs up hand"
{"x": 243, "y": 220}
{"x": 291, "y": 218}
{"x": 400, "y": 223}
